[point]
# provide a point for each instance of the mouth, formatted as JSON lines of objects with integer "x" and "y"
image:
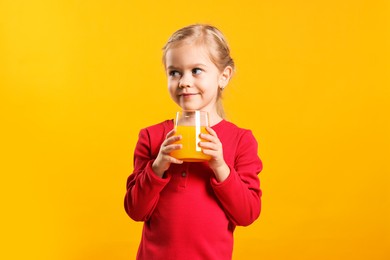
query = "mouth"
{"x": 187, "y": 95}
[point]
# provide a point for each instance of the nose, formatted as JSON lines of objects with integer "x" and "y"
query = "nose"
{"x": 185, "y": 81}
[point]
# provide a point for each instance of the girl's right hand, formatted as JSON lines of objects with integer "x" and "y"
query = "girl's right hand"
{"x": 164, "y": 160}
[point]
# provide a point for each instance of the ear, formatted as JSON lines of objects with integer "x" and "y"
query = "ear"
{"x": 225, "y": 77}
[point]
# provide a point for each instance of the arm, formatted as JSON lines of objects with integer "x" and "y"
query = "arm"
{"x": 143, "y": 185}
{"x": 146, "y": 182}
{"x": 240, "y": 193}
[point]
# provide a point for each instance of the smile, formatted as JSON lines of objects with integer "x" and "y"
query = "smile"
{"x": 187, "y": 95}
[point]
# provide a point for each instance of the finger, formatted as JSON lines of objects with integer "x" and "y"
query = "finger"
{"x": 211, "y": 153}
{"x": 174, "y": 160}
{"x": 171, "y": 133}
{"x": 172, "y": 139}
{"x": 172, "y": 147}
{"x": 211, "y": 131}
{"x": 209, "y": 146}
{"x": 209, "y": 138}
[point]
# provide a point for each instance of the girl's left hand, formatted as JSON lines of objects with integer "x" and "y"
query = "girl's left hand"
{"x": 212, "y": 146}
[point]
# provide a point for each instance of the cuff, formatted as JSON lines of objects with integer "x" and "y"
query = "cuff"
{"x": 228, "y": 180}
{"x": 153, "y": 177}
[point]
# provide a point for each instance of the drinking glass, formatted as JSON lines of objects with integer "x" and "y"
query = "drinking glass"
{"x": 190, "y": 124}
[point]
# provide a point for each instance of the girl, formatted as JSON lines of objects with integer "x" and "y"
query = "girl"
{"x": 190, "y": 209}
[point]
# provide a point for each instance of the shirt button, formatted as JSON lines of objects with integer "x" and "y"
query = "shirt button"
{"x": 183, "y": 174}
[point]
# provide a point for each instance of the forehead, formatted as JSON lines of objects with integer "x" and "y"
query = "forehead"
{"x": 187, "y": 53}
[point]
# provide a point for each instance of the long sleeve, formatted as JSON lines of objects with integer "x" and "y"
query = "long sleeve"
{"x": 240, "y": 193}
{"x": 187, "y": 216}
{"x": 143, "y": 186}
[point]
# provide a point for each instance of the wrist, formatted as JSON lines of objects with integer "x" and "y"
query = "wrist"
{"x": 222, "y": 172}
{"x": 157, "y": 170}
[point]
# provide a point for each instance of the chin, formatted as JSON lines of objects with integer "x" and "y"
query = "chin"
{"x": 190, "y": 108}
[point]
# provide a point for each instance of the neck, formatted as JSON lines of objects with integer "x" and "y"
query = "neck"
{"x": 214, "y": 118}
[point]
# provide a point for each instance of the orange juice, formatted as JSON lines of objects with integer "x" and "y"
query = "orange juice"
{"x": 190, "y": 152}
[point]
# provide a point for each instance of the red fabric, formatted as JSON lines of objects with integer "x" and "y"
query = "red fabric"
{"x": 188, "y": 214}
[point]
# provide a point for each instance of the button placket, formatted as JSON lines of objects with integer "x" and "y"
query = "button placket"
{"x": 183, "y": 176}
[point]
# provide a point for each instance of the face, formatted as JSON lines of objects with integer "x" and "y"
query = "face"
{"x": 193, "y": 79}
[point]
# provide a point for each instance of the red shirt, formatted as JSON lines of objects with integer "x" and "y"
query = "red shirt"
{"x": 188, "y": 214}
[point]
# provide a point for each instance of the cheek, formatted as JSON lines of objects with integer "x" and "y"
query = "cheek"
{"x": 171, "y": 89}
{"x": 210, "y": 85}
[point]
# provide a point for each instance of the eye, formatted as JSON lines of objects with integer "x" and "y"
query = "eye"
{"x": 196, "y": 71}
{"x": 174, "y": 73}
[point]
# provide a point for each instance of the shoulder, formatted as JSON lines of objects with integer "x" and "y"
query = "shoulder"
{"x": 162, "y": 127}
{"x": 234, "y": 136}
{"x": 152, "y": 136}
{"x": 239, "y": 144}
{"x": 232, "y": 130}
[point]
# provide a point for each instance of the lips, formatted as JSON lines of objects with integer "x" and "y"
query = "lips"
{"x": 187, "y": 95}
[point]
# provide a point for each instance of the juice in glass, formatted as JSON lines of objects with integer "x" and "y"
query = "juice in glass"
{"x": 190, "y": 124}
{"x": 190, "y": 152}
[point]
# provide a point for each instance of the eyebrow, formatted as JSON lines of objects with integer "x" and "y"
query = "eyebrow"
{"x": 171, "y": 67}
{"x": 192, "y": 66}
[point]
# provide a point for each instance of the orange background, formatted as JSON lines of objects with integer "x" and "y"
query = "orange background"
{"x": 78, "y": 79}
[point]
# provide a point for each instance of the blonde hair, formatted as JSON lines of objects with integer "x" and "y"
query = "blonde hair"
{"x": 217, "y": 46}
